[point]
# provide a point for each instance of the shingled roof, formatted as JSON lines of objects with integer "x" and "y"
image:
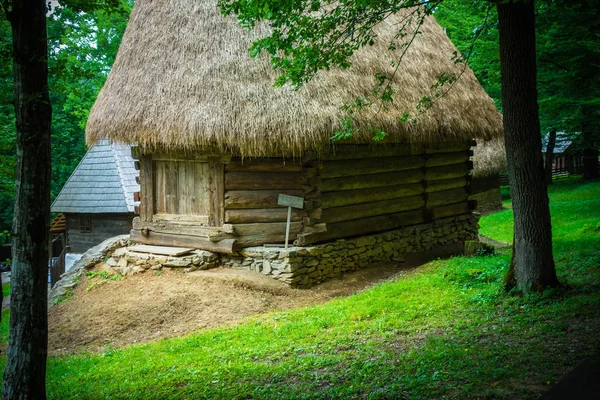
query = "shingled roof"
{"x": 103, "y": 182}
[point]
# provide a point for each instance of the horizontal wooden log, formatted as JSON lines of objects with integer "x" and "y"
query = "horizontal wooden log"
{"x": 451, "y": 210}
{"x": 212, "y": 233}
{"x": 450, "y": 147}
{"x": 227, "y": 246}
{"x": 448, "y": 171}
{"x": 363, "y": 226}
{"x": 445, "y": 184}
{"x": 239, "y": 199}
{"x": 316, "y": 213}
{"x": 317, "y": 228}
{"x": 339, "y": 168}
{"x": 347, "y": 152}
{"x": 439, "y": 159}
{"x": 192, "y": 155}
{"x": 444, "y": 197}
{"x": 359, "y": 211}
{"x": 359, "y": 196}
{"x": 244, "y": 216}
{"x": 263, "y": 180}
{"x": 199, "y": 219}
{"x": 261, "y": 233}
{"x": 370, "y": 181}
{"x": 265, "y": 165}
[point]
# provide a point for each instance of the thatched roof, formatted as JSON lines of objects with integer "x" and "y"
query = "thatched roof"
{"x": 489, "y": 158}
{"x": 183, "y": 78}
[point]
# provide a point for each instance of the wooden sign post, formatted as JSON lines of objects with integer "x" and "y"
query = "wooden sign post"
{"x": 289, "y": 201}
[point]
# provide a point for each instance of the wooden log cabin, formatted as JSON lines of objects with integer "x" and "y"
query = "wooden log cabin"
{"x": 216, "y": 143}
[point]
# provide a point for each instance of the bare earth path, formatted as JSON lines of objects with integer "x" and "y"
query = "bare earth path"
{"x": 148, "y": 306}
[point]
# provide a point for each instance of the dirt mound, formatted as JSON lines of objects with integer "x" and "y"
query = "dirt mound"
{"x": 151, "y": 306}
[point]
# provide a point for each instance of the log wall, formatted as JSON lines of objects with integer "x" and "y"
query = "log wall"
{"x": 349, "y": 190}
{"x": 364, "y": 190}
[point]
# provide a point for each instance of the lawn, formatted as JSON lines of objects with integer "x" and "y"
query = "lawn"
{"x": 443, "y": 331}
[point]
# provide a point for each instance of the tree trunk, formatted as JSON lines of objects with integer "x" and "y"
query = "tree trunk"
{"x": 25, "y": 373}
{"x": 532, "y": 265}
{"x": 549, "y": 155}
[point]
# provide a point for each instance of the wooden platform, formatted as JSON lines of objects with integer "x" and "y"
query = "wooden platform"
{"x": 162, "y": 250}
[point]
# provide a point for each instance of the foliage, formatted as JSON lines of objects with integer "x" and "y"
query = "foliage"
{"x": 443, "y": 330}
{"x": 567, "y": 52}
{"x": 82, "y": 48}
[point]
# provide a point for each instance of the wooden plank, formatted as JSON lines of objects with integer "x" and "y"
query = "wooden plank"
{"x": 261, "y": 233}
{"x": 445, "y": 184}
{"x": 451, "y": 210}
{"x": 339, "y": 168}
{"x": 444, "y": 197}
{"x": 265, "y": 165}
{"x": 242, "y": 216}
{"x": 436, "y": 160}
{"x": 240, "y": 199}
{"x": 199, "y": 219}
{"x": 346, "y": 152}
{"x": 448, "y": 171}
{"x": 358, "y": 211}
{"x": 213, "y": 233}
{"x": 227, "y": 246}
{"x": 369, "y": 181}
{"x": 263, "y": 180}
{"x": 162, "y": 250}
{"x": 217, "y": 192}
{"x": 450, "y": 147}
{"x": 363, "y": 226}
{"x": 192, "y": 155}
{"x": 146, "y": 188}
{"x": 359, "y": 196}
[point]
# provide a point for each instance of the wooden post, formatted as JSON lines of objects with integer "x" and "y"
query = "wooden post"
{"x": 146, "y": 188}
{"x": 287, "y": 227}
{"x": 216, "y": 214}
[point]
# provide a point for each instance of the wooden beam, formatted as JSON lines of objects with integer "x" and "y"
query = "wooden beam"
{"x": 264, "y": 165}
{"x": 359, "y": 196}
{"x": 370, "y": 181}
{"x": 436, "y": 160}
{"x": 242, "y": 199}
{"x": 451, "y": 210}
{"x": 448, "y": 171}
{"x": 261, "y": 233}
{"x": 263, "y": 180}
{"x": 450, "y": 147}
{"x": 358, "y": 211}
{"x": 346, "y": 151}
{"x": 227, "y": 246}
{"x": 242, "y": 216}
{"x": 363, "y": 226}
{"x": 216, "y": 215}
{"x": 444, "y": 197}
{"x": 445, "y": 184}
{"x": 339, "y": 168}
{"x": 146, "y": 188}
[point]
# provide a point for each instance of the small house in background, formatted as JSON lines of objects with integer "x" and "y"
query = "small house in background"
{"x": 218, "y": 144}
{"x": 566, "y": 158}
{"x": 489, "y": 159}
{"x": 98, "y": 199}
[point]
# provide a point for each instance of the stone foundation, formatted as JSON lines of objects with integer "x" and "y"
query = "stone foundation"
{"x": 306, "y": 266}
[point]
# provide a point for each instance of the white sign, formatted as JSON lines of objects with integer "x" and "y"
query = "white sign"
{"x": 290, "y": 201}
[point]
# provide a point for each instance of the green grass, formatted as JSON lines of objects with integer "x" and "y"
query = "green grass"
{"x": 445, "y": 330}
{"x": 6, "y": 289}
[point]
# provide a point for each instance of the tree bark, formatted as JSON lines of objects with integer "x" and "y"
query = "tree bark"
{"x": 532, "y": 266}
{"x": 25, "y": 373}
{"x": 549, "y": 155}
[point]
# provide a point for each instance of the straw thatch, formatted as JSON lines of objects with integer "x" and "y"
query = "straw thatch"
{"x": 183, "y": 78}
{"x": 489, "y": 158}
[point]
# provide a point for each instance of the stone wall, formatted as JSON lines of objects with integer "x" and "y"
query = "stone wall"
{"x": 306, "y": 266}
